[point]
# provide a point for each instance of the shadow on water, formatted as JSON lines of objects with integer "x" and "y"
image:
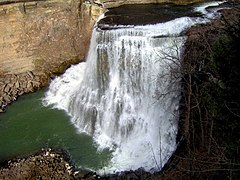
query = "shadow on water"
{"x": 146, "y": 14}
{"x": 27, "y": 126}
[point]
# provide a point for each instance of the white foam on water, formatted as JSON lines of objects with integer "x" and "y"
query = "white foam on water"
{"x": 126, "y": 96}
{"x": 203, "y": 8}
{"x": 61, "y": 88}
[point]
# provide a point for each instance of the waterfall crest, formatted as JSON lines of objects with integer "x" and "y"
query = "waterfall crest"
{"x": 126, "y": 96}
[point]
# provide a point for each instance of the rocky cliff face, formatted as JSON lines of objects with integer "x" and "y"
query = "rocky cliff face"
{"x": 43, "y": 35}
{"x": 41, "y": 38}
{"x": 47, "y": 35}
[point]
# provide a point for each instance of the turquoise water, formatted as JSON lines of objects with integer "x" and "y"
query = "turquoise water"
{"x": 27, "y": 126}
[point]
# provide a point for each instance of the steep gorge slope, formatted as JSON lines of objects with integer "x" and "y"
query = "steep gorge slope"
{"x": 41, "y": 38}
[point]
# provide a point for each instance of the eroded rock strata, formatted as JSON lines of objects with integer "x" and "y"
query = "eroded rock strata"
{"x": 45, "y": 37}
{"x": 41, "y": 38}
{"x": 37, "y": 39}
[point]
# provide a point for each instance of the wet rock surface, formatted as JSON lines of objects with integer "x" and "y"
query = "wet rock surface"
{"x": 144, "y": 14}
{"x": 56, "y": 164}
{"x": 139, "y": 174}
{"x": 12, "y": 86}
{"x": 46, "y": 164}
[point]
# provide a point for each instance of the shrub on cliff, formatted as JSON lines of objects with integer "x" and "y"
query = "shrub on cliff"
{"x": 210, "y": 105}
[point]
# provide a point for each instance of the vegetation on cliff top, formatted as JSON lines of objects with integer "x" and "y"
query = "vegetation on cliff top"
{"x": 210, "y": 118}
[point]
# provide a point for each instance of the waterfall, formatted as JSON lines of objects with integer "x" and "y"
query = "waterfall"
{"x": 126, "y": 95}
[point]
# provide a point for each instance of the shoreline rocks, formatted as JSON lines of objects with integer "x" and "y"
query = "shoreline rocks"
{"x": 56, "y": 164}
{"x": 46, "y": 164}
{"x": 14, "y": 85}
{"x": 39, "y": 39}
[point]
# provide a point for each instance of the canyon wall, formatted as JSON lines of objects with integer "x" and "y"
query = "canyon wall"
{"x": 40, "y": 38}
{"x": 44, "y": 35}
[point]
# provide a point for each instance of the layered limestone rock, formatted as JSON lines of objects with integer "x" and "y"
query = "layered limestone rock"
{"x": 42, "y": 37}
{"x": 45, "y": 36}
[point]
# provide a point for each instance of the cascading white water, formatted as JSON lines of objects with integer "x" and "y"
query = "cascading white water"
{"x": 127, "y": 93}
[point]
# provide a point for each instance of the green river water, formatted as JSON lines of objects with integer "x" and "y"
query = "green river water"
{"x": 27, "y": 126}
